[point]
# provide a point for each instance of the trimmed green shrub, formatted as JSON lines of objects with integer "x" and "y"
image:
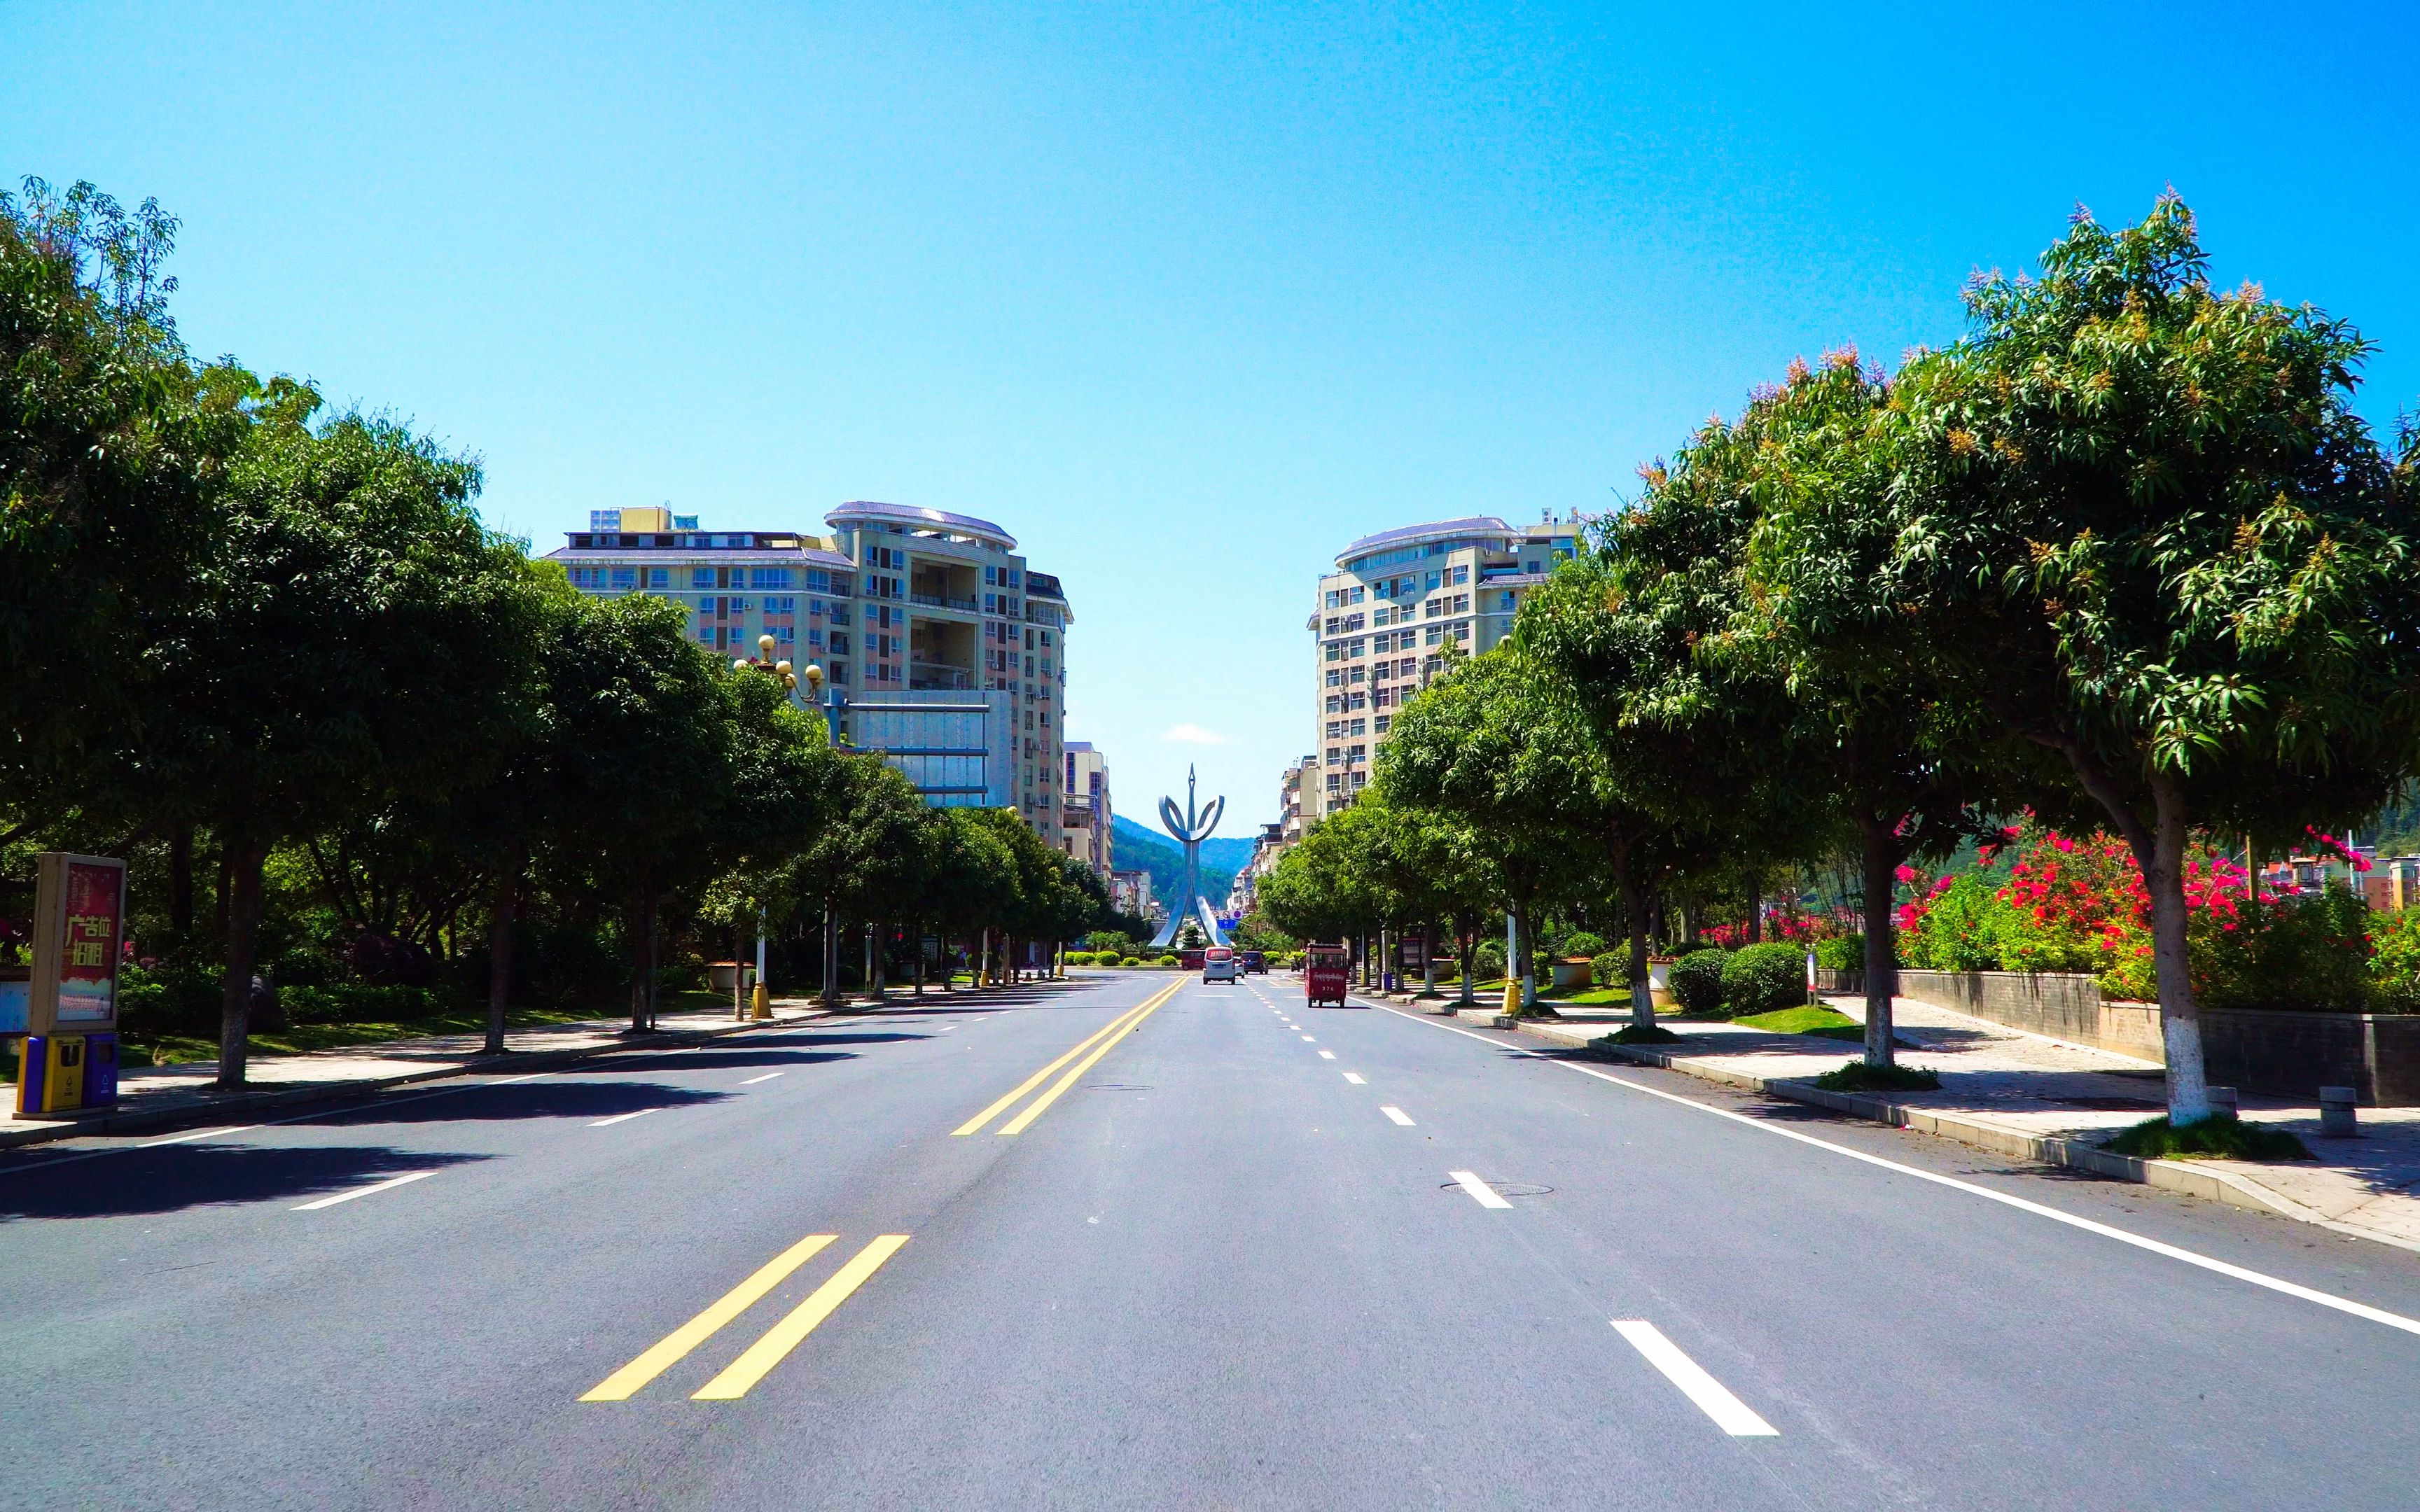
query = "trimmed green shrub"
{"x": 1583, "y": 943}
{"x": 1130, "y": 961}
{"x": 1488, "y": 960}
{"x": 1763, "y": 977}
{"x": 1698, "y": 981}
{"x": 1842, "y": 952}
{"x": 1611, "y": 968}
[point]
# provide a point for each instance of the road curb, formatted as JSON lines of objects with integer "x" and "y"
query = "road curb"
{"x": 136, "y": 1120}
{"x": 2071, "y": 1154}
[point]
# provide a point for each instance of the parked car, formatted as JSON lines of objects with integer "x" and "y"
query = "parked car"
{"x": 1218, "y": 963}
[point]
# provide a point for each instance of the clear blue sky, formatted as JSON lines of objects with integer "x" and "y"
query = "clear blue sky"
{"x": 1184, "y": 296}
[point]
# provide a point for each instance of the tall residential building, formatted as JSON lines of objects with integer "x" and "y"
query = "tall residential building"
{"x": 1396, "y": 600}
{"x": 948, "y": 654}
{"x": 1087, "y": 815}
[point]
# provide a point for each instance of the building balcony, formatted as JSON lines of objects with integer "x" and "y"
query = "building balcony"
{"x": 925, "y": 675}
{"x": 964, "y": 606}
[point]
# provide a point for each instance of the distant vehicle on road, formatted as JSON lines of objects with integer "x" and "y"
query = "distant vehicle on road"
{"x": 1190, "y": 960}
{"x": 1218, "y": 963}
{"x": 1327, "y": 973}
{"x": 1255, "y": 961}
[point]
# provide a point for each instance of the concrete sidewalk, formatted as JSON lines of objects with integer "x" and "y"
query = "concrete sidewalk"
{"x": 152, "y": 1096}
{"x": 2044, "y": 1100}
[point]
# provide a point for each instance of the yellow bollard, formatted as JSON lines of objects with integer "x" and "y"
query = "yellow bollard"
{"x": 761, "y": 1008}
{"x": 1512, "y": 997}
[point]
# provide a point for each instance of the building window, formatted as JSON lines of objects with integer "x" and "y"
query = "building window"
{"x": 1336, "y": 651}
{"x": 1335, "y": 782}
{"x": 1355, "y": 701}
{"x": 1360, "y": 727}
{"x": 1360, "y": 780}
{"x": 1336, "y": 703}
{"x": 625, "y": 577}
{"x": 770, "y": 577}
{"x": 1436, "y": 635}
{"x": 1335, "y": 755}
{"x": 1384, "y": 721}
{"x": 1353, "y": 676}
{"x": 1335, "y": 728}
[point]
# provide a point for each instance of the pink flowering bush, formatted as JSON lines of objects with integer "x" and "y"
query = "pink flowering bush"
{"x": 2078, "y": 904}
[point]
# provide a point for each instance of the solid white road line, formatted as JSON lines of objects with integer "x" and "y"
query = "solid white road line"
{"x": 363, "y": 1191}
{"x": 1485, "y": 1194}
{"x": 197, "y": 1134}
{"x": 1730, "y": 1413}
{"x": 507, "y": 1081}
{"x": 1354, "y": 1077}
{"x": 1398, "y": 1115}
{"x": 1328, "y": 1055}
{"x": 767, "y": 1077}
{"x": 623, "y": 1118}
{"x": 2277, "y": 1284}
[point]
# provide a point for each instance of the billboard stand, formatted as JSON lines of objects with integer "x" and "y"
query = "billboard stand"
{"x": 70, "y": 1048}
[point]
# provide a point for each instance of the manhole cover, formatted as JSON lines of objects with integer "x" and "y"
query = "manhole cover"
{"x": 1504, "y": 1189}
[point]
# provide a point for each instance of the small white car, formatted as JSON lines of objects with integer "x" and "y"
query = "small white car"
{"x": 1218, "y": 963}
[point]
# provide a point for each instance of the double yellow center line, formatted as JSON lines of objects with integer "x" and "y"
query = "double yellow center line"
{"x": 1100, "y": 1044}
{"x": 767, "y": 1352}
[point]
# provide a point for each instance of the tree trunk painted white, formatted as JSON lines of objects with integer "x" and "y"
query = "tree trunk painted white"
{"x": 1642, "y": 989}
{"x": 244, "y": 860}
{"x": 1882, "y": 860}
{"x": 2180, "y": 1015}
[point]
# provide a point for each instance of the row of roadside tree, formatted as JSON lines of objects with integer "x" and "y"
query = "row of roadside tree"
{"x": 350, "y": 736}
{"x": 2124, "y": 559}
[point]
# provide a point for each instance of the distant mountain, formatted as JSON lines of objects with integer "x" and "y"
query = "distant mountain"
{"x": 1136, "y": 846}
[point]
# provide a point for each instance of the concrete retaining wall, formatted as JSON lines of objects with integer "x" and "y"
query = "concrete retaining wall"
{"x": 2257, "y": 1050}
{"x": 2062, "y": 1005}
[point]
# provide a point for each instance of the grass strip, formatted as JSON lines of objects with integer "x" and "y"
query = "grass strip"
{"x": 1808, "y": 1020}
{"x": 2222, "y": 1137}
{"x": 1856, "y": 1076}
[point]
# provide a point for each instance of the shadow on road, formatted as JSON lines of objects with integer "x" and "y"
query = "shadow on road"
{"x": 521, "y": 1100}
{"x": 177, "y": 1176}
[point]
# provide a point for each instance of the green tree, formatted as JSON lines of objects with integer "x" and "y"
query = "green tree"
{"x": 644, "y": 755}
{"x": 353, "y": 638}
{"x": 1794, "y": 503}
{"x": 2140, "y": 523}
{"x": 1672, "y": 748}
{"x": 1492, "y": 744}
{"x": 110, "y": 453}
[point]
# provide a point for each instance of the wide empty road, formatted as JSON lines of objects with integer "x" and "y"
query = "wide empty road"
{"x": 1137, "y": 1241}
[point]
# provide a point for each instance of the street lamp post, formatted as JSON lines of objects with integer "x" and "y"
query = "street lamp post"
{"x": 831, "y": 701}
{"x": 760, "y": 1005}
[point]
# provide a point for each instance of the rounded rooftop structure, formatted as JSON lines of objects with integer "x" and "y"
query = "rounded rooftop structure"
{"x": 864, "y": 512}
{"x": 1438, "y": 533}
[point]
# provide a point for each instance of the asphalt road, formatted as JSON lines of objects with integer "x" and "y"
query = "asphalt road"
{"x": 1230, "y": 1263}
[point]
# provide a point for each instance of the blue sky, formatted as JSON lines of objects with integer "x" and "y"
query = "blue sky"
{"x": 1184, "y": 296}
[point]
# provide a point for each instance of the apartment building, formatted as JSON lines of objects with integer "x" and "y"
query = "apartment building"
{"x": 1086, "y": 813}
{"x": 1386, "y": 617}
{"x": 947, "y": 653}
